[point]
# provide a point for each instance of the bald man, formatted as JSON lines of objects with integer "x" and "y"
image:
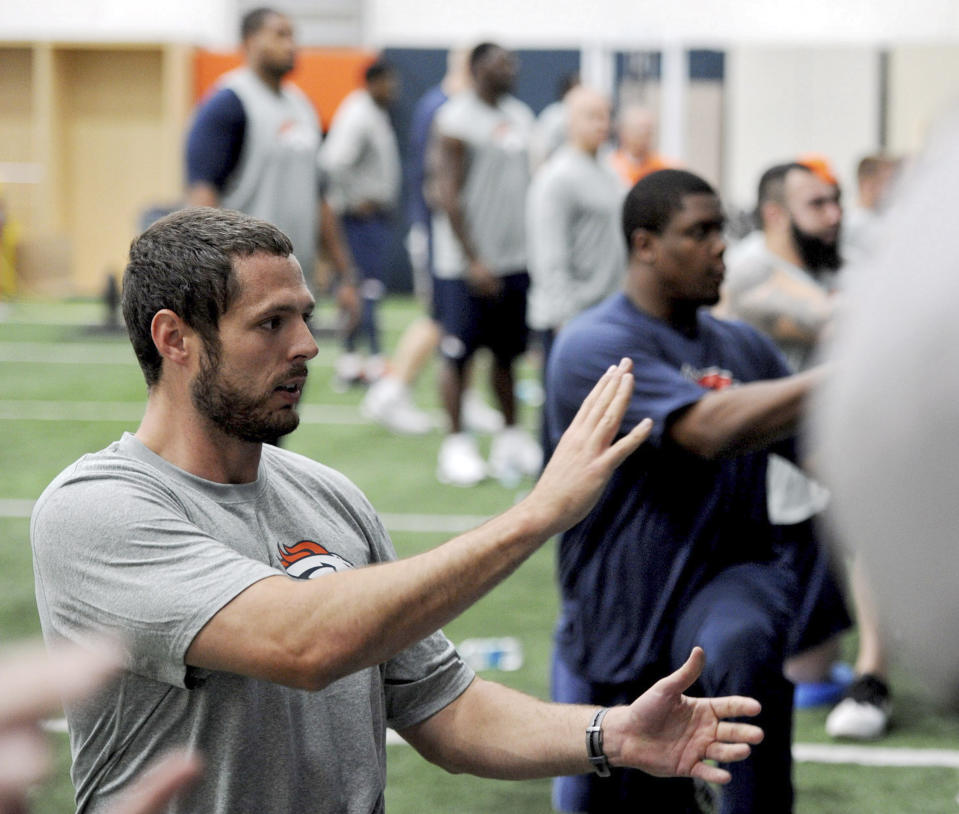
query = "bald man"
{"x": 636, "y": 155}
{"x": 576, "y": 251}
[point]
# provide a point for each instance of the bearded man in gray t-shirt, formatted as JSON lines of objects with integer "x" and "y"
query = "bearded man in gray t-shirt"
{"x": 268, "y": 624}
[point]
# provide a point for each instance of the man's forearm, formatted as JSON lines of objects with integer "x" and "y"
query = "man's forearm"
{"x": 497, "y": 732}
{"x": 745, "y": 418}
{"x": 457, "y": 220}
{"x": 450, "y": 178}
{"x": 494, "y": 731}
{"x": 357, "y": 618}
{"x": 787, "y": 309}
{"x": 333, "y": 242}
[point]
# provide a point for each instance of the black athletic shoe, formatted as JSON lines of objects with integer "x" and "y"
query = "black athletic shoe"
{"x": 863, "y": 713}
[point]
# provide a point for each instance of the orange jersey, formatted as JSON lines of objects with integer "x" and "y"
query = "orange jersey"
{"x": 630, "y": 170}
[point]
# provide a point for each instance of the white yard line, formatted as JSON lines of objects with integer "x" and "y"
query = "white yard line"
{"x": 98, "y": 353}
{"x": 841, "y": 754}
{"x": 874, "y": 755}
{"x": 802, "y": 752}
{"x": 447, "y": 523}
{"x": 92, "y": 315}
{"x": 86, "y": 411}
{"x": 70, "y": 353}
{"x": 15, "y": 508}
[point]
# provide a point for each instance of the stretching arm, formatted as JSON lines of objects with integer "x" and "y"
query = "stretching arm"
{"x": 358, "y": 618}
{"x": 743, "y": 419}
{"x": 493, "y": 731}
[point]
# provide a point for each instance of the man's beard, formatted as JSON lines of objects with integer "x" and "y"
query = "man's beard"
{"x": 234, "y": 412}
{"x": 279, "y": 70}
{"x": 816, "y": 254}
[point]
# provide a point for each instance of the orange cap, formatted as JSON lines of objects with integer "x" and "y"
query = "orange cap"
{"x": 819, "y": 166}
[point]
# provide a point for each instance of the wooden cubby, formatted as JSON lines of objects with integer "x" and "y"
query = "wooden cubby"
{"x": 90, "y": 136}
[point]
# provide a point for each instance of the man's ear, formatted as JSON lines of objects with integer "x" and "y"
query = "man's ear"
{"x": 175, "y": 340}
{"x": 773, "y": 214}
{"x": 643, "y": 244}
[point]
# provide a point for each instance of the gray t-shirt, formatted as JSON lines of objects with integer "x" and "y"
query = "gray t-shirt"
{"x": 577, "y": 253}
{"x": 748, "y": 266}
{"x": 494, "y": 193}
{"x": 277, "y": 177}
{"x": 361, "y": 155}
{"x": 124, "y": 542}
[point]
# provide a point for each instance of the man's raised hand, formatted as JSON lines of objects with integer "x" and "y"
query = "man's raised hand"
{"x": 585, "y": 457}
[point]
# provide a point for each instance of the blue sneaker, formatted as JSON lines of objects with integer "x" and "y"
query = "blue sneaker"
{"x": 824, "y": 693}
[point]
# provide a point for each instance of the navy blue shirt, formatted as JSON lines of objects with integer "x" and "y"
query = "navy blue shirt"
{"x": 215, "y": 139}
{"x": 421, "y": 126}
{"x": 669, "y": 520}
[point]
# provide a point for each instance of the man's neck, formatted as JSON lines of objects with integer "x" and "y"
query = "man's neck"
{"x": 185, "y": 439}
{"x": 586, "y": 149}
{"x": 489, "y": 95}
{"x": 642, "y": 291}
{"x": 783, "y": 247}
{"x": 268, "y": 78}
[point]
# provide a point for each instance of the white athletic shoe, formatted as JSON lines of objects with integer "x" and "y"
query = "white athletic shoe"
{"x": 375, "y": 368}
{"x": 514, "y": 454}
{"x": 347, "y": 371}
{"x": 478, "y": 416}
{"x": 863, "y": 713}
{"x": 388, "y": 402}
{"x": 459, "y": 462}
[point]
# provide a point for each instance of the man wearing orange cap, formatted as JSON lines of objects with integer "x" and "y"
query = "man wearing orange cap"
{"x": 783, "y": 280}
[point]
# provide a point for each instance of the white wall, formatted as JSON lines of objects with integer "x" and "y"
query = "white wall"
{"x": 782, "y": 102}
{"x": 631, "y": 23}
{"x": 558, "y": 23}
{"x": 782, "y": 96}
{"x": 201, "y": 22}
{"x": 923, "y": 83}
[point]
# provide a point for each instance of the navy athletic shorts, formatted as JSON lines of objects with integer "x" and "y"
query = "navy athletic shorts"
{"x": 470, "y": 322}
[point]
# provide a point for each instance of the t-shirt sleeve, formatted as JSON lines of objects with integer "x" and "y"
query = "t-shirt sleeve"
{"x": 119, "y": 556}
{"x": 215, "y": 139}
{"x": 346, "y": 140}
{"x": 424, "y": 678}
{"x": 451, "y": 121}
{"x": 768, "y": 359}
{"x": 660, "y": 390}
{"x": 549, "y": 218}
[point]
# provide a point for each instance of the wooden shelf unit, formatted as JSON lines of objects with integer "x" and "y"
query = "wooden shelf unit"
{"x": 90, "y": 136}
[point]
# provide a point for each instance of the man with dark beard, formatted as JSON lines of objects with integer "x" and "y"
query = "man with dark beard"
{"x": 782, "y": 279}
{"x": 197, "y": 545}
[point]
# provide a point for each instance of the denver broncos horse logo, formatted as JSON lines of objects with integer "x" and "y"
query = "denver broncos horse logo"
{"x": 712, "y": 378}
{"x": 306, "y": 560}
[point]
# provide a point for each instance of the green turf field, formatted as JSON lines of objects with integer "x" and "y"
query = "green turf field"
{"x": 66, "y": 390}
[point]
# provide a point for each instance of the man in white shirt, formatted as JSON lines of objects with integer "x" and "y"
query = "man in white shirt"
{"x": 362, "y": 160}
